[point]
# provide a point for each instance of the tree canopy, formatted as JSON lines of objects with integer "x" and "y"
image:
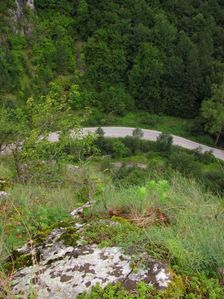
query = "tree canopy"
{"x": 157, "y": 56}
{"x": 213, "y": 111}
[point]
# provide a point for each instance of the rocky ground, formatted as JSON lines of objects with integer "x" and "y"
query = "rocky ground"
{"x": 61, "y": 263}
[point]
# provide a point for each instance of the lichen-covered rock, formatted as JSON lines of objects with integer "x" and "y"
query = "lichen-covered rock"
{"x": 76, "y": 212}
{"x": 63, "y": 267}
{"x": 3, "y": 194}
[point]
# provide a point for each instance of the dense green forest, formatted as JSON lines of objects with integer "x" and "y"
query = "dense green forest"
{"x": 159, "y": 56}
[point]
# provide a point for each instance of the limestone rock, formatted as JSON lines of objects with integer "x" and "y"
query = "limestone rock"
{"x": 76, "y": 212}
{"x": 61, "y": 270}
{"x": 3, "y": 194}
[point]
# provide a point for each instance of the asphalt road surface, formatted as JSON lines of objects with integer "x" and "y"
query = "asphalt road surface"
{"x": 152, "y": 135}
{"x": 147, "y": 135}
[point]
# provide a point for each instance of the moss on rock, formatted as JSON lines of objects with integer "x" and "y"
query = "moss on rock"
{"x": 70, "y": 237}
{"x": 21, "y": 261}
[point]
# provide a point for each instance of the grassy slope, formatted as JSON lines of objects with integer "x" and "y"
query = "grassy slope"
{"x": 194, "y": 237}
{"x": 191, "y": 243}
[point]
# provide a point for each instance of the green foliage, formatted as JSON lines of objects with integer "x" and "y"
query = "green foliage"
{"x": 192, "y": 239}
{"x": 121, "y": 234}
{"x": 119, "y": 149}
{"x": 100, "y": 131}
{"x": 116, "y": 291}
{"x": 164, "y": 143}
{"x": 129, "y": 175}
{"x": 111, "y": 146}
{"x": 30, "y": 209}
{"x": 197, "y": 127}
{"x": 213, "y": 112}
{"x": 149, "y": 119}
{"x": 30, "y": 133}
{"x": 152, "y": 54}
{"x": 184, "y": 163}
{"x": 145, "y": 78}
{"x": 138, "y": 133}
{"x": 117, "y": 100}
{"x": 195, "y": 287}
{"x": 161, "y": 157}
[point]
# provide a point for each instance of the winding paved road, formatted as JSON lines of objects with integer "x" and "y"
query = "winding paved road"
{"x": 147, "y": 135}
{"x": 152, "y": 135}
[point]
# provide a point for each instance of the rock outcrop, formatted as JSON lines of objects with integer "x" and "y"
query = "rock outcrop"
{"x": 61, "y": 263}
{"x": 18, "y": 22}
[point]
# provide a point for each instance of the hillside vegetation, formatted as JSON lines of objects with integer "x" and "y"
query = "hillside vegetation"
{"x": 173, "y": 220}
{"x": 153, "y": 64}
{"x": 163, "y": 57}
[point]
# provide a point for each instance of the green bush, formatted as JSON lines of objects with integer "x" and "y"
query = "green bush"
{"x": 137, "y": 133}
{"x": 214, "y": 181}
{"x": 130, "y": 176}
{"x": 194, "y": 288}
{"x": 206, "y": 157}
{"x": 119, "y": 149}
{"x": 115, "y": 99}
{"x": 164, "y": 143}
{"x": 184, "y": 163}
{"x": 104, "y": 145}
{"x": 112, "y": 146}
{"x": 197, "y": 127}
{"x": 149, "y": 119}
{"x": 100, "y": 131}
{"x": 134, "y": 144}
{"x": 95, "y": 118}
{"x": 137, "y": 145}
{"x": 116, "y": 291}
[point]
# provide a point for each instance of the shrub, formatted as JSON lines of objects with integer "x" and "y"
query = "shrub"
{"x": 137, "y": 133}
{"x": 214, "y": 181}
{"x": 187, "y": 287}
{"x": 147, "y": 146}
{"x": 115, "y": 99}
{"x": 129, "y": 176}
{"x": 197, "y": 127}
{"x": 149, "y": 119}
{"x": 164, "y": 143}
{"x": 206, "y": 157}
{"x": 132, "y": 143}
{"x": 103, "y": 144}
{"x": 95, "y": 118}
{"x": 100, "y": 131}
{"x": 119, "y": 149}
{"x": 184, "y": 163}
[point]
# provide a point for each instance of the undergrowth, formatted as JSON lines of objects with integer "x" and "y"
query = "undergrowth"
{"x": 196, "y": 287}
{"x": 174, "y": 220}
{"x": 193, "y": 236}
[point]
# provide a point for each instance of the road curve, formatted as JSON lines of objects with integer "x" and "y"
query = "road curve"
{"x": 152, "y": 135}
{"x": 147, "y": 135}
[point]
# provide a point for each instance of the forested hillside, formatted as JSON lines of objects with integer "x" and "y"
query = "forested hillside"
{"x": 158, "y": 56}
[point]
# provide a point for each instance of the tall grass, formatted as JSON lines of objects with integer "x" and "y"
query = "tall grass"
{"x": 30, "y": 208}
{"x": 194, "y": 237}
